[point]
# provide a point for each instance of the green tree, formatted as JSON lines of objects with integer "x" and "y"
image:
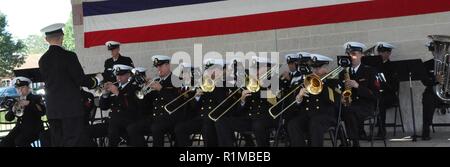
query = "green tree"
{"x": 11, "y": 52}
{"x": 36, "y": 44}
{"x": 69, "y": 40}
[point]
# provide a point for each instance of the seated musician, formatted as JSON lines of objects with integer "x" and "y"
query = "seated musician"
{"x": 315, "y": 113}
{"x": 28, "y": 110}
{"x": 252, "y": 114}
{"x": 389, "y": 84}
{"x": 160, "y": 122}
{"x": 361, "y": 82}
{"x": 204, "y": 102}
{"x": 121, "y": 99}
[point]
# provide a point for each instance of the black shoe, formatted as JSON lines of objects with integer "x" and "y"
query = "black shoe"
{"x": 356, "y": 143}
{"x": 426, "y": 138}
{"x": 381, "y": 134}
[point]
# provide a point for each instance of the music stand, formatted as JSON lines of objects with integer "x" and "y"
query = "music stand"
{"x": 410, "y": 70}
{"x": 373, "y": 61}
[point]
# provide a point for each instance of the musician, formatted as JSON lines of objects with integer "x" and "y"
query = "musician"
{"x": 293, "y": 75}
{"x": 252, "y": 115}
{"x": 430, "y": 100}
{"x": 63, "y": 77}
{"x": 29, "y": 124}
{"x": 389, "y": 84}
{"x": 315, "y": 113}
{"x": 292, "y": 79}
{"x": 116, "y": 58}
{"x": 203, "y": 104}
{"x": 361, "y": 104}
{"x": 121, "y": 99}
{"x": 161, "y": 122}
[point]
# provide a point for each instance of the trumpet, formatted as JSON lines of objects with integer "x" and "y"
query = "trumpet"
{"x": 253, "y": 86}
{"x": 313, "y": 85}
{"x": 146, "y": 89}
{"x": 101, "y": 89}
{"x": 208, "y": 85}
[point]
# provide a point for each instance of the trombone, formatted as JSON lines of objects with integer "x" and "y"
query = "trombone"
{"x": 253, "y": 86}
{"x": 208, "y": 85}
{"x": 313, "y": 85}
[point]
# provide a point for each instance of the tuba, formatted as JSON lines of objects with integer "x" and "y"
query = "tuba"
{"x": 440, "y": 48}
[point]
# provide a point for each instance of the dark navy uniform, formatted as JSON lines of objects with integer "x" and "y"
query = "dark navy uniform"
{"x": 313, "y": 116}
{"x": 252, "y": 116}
{"x": 430, "y": 100}
{"x": 363, "y": 100}
{"x": 199, "y": 120}
{"x": 63, "y": 77}
{"x": 28, "y": 126}
{"x": 124, "y": 111}
{"x": 389, "y": 90}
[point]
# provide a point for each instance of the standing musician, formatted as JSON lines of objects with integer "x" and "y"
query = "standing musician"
{"x": 121, "y": 99}
{"x": 28, "y": 110}
{"x": 116, "y": 58}
{"x": 204, "y": 103}
{"x": 389, "y": 84}
{"x": 251, "y": 115}
{"x": 315, "y": 113}
{"x": 361, "y": 82}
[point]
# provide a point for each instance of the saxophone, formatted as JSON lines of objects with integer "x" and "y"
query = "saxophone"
{"x": 347, "y": 94}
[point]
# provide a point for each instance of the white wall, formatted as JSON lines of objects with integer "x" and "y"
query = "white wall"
{"x": 407, "y": 33}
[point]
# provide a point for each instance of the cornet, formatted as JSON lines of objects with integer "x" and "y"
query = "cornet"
{"x": 17, "y": 108}
{"x": 146, "y": 89}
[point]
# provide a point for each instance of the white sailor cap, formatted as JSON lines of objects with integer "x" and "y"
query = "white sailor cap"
{"x": 160, "y": 60}
{"x": 183, "y": 67}
{"x": 303, "y": 55}
{"x": 319, "y": 60}
{"x": 186, "y": 65}
{"x": 262, "y": 60}
{"x": 120, "y": 69}
{"x": 112, "y": 45}
{"x": 21, "y": 81}
{"x": 292, "y": 57}
{"x": 53, "y": 29}
{"x": 213, "y": 62}
{"x": 140, "y": 70}
{"x": 233, "y": 60}
{"x": 384, "y": 46}
{"x": 354, "y": 46}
